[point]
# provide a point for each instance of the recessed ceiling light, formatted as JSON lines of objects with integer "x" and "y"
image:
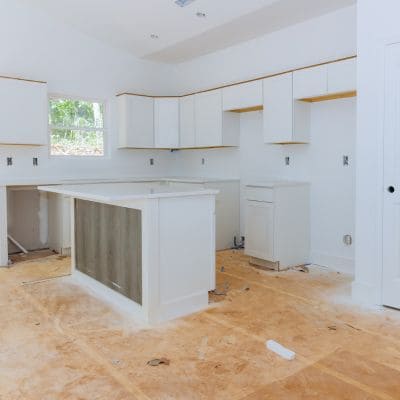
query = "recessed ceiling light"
{"x": 183, "y": 3}
{"x": 201, "y": 14}
{"x": 154, "y": 36}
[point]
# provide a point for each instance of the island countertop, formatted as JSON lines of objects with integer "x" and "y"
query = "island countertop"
{"x": 114, "y": 192}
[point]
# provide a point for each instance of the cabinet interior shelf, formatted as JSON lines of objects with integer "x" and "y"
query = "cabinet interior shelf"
{"x": 333, "y": 96}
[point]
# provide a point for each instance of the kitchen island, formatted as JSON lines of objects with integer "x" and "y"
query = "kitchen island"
{"x": 148, "y": 247}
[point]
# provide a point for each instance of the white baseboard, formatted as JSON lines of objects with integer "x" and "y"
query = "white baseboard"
{"x": 341, "y": 264}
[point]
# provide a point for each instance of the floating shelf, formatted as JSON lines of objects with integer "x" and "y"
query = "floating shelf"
{"x": 248, "y": 109}
{"x": 334, "y": 96}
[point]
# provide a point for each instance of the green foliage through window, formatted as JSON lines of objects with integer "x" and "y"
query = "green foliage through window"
{"x": 77, "y": 127}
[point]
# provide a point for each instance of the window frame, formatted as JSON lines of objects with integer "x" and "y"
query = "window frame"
{"x": 106, "y": 153}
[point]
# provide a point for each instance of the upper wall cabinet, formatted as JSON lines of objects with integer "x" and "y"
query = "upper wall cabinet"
{"x": 136, "y": 121}
{"x": 187, "y": 122}
{"x": 243, "y": 97}
{"x": 214, "y": 127}
{"x": 166, "y": 122}
{"x": 326, "y": 81}
{"x": 24, "y": 112}
{"x": 285, "y": 120}
{"x": 342, "y": 76}
{"x": 310, "y": 82}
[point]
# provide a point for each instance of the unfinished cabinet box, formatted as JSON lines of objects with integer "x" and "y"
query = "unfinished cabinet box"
{"x": 285, "y": 120}
{"x": 244, "y": 97}
{"x": 24, "y": 112}
{"x": 278, "y": 224}
{"x": 342, "y": 76}
{"x": 136, "y": 121}
{"x": 215, "y": 127}
{"x": 310, "y": 82}
{"x": 166, "y": 123}
{"x": 187, "y": 128}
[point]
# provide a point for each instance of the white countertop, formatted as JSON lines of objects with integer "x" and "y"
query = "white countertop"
{"x": 276, "y": 183}
{"x": 114, "y": 192}
{"x": 31, "y": 181}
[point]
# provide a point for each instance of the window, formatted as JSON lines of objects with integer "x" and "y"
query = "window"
{"x": 76, "y": 127}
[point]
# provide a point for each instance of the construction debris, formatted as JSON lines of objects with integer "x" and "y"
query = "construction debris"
{"x": 302, "y": 268}
{"x": 157, "y": 361}
{"x": 221, "y": 292}
{"x": 332, "y": 328}
{"x": 280, "y": 350}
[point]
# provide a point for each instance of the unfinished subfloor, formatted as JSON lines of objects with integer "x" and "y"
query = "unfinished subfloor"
{"x": 58, "y": 342}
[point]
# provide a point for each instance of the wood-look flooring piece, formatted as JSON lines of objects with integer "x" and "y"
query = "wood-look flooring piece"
{"x": 57, "y": 341}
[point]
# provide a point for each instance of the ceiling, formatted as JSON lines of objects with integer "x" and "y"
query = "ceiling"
{"x": 129, "y": 24}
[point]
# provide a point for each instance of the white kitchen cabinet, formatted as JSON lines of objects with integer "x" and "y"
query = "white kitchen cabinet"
{"x": 278, "y": 224}
{"x": 187, "y": 126}
{"x": 214, "y": 127}
{"x": 136, "y": 121}
{"x": 24, "y": 112}
{"x": 342, "y": 76}
{"x": 166, "y": 122}
{"x": 285, "y": 120}
{"x": 310, "y": 82}
{"x": 243, "y": 96}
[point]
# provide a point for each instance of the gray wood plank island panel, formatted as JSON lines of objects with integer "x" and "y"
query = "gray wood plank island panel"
{"x": 108, "y": 242}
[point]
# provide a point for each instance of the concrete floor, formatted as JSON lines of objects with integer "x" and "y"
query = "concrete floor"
{"x": 57, "y": 342}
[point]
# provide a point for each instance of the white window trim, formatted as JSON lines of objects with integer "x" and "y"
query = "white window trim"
{"x": 106, "y": 150}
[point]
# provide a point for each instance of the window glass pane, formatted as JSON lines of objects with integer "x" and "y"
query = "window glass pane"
{"x": 66, "y": 142}
{"x": 76, "y": 113}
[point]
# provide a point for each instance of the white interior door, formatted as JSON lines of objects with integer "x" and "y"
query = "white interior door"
{"x": 391, "y": 211}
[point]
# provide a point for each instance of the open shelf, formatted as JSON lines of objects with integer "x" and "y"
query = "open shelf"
{"x": 334, "y": 96}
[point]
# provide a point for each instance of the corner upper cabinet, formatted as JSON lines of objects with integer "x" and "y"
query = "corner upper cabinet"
{"x": 310, "y": 82}
{"x": 342, "y": 76}
{"x": 215, "y": 127}
{"x": 187, "y": 126}
{"x": 136, "y": 121}
{"x": 24, "y": 112}
{"x": 286, "y": 121}
{"x": 166, "y": 123}
{"x": 244, "y": 97}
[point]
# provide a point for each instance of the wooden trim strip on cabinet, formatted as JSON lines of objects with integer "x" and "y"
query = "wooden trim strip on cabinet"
{"x": 246, "y": 81}
{"x": 21, "y": 79}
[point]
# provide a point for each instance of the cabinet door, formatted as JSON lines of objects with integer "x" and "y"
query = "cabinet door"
{"x": 166, "y": 123}
{"x": 208, "y": 111}
{"x": 136, "y": 121}
{"x": 310, "y": 82}
{"x": 342, "y": 76}
{"x": 260, "y": 230}
{"x": 187, "y": 122}
{"x": 242, "y": 96}
{"x": 24, "y": 112}
{"x": 278, "y": 109}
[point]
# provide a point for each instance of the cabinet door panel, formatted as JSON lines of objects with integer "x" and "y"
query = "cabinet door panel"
{"x": 310, "y": 82}
{"x": 24, "y": 112}
{"x": 278, "y": 109}
{"x": 260, "y": 230}
{"x": 187, "y": 122}
{"x": 136, "y": 121}
{"x": 166, "y": 123}
{"x": 342, "y": 76}
{"x": 242, "y": 96}
{"x": 208, "y": 111}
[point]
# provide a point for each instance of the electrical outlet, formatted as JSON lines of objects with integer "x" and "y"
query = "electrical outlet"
{"x": 346, "y": 161}
{"x": 347, "y": 240}
{"x": 287, "y": 160}
{"x": 203, "y": 161}
{"x": 35, "y": 161}
{"x": 9, "y": 161}
{"x": 151, "y": 161}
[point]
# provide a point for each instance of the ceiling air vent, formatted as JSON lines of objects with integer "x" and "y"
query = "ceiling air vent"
{"x": 183, "y": 3}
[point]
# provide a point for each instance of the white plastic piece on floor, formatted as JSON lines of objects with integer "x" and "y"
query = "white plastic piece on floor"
{"x": 280, "y": 350}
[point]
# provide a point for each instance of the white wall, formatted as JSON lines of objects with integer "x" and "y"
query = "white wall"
{"x": 378, "y": 23}
{"x": 37, "y": 47}
{"x": 332, "y": 136}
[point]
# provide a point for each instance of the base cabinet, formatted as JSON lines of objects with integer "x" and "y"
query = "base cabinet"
{"x": 277, "y": 224}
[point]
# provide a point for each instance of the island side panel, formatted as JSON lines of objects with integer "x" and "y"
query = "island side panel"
{"x": 108, "y": 246}
{"x": 3, "y": 227}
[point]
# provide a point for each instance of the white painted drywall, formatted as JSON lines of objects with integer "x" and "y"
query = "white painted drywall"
{"x": 378, "y": 23}
{"x": 332, "y": 133}
{"x": 33, "y": 45}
